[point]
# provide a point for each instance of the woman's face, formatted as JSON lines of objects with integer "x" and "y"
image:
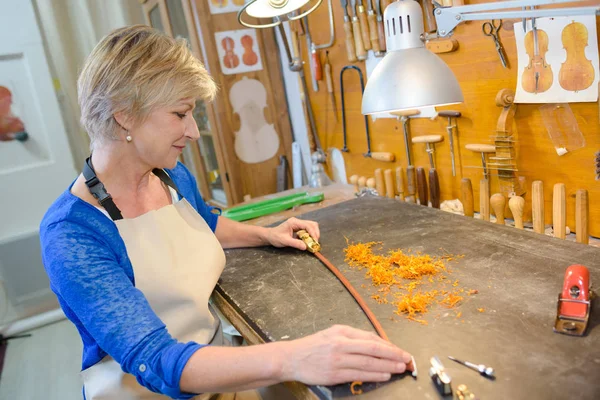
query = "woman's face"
{"x": 161, "y": 138}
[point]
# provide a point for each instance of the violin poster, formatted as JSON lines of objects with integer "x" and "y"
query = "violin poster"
{"x": 224, "y": 6}
{"x": 238, "y": 51}
{"x": 558, "y": 60}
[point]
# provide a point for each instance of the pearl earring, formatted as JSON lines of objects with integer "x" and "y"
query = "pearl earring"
{"x": 129, "y": 138}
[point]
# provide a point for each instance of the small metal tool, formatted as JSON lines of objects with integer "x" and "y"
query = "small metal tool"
{"x": 491, "y": 29}
{"x": 440, "y": 378}
{"x": 482, "y": 369}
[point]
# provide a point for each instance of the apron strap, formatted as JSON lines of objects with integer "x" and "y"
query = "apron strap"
{"x": 98, "y": 190}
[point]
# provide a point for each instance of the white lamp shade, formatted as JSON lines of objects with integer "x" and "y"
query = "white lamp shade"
{"x": 410, "y": 78}
{"x": 264, "y": 8}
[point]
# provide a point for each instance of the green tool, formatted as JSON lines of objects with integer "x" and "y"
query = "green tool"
{"x": 266, "y": 207}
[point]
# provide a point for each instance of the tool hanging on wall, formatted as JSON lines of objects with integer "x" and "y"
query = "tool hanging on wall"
{"x": 434, "y": 182}
{"x": 316, "y": 47}
{"x": 403, "y": 116}
{"x": 380, "y": 28}
{"x": 373, "y": 34}
{"x": 364, "y": 25}
{"x": 314, "y": 61}
{"x": 491, "y": 29}
{"x": 483, "y": 149}
{"x": 329, "y": 82}
{"x": 361, "y": 52}
{"x": 451, "y": 114}
{"x": 574, "y": 305}
{"x": 380, "y": 156}
{"x": 350, "y": 48}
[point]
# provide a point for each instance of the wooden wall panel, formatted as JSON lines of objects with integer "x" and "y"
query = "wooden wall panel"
{"x": 481, "y": 75}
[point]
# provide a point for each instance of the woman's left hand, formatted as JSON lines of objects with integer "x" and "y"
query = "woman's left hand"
{"x": 283, "y": 234}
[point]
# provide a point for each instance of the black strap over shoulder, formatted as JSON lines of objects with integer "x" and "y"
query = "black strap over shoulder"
{"x": 98, "y": 190}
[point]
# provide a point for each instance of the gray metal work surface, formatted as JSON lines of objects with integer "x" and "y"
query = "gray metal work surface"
{"x": 286, "y": 294}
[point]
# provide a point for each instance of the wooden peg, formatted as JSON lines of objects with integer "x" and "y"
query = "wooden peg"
{"x": 400, "y": 183}
{"x": 434, "y": 188}
{"x": 354, "y": 181}
{"x": 371, "y": 184}
{"x": 498, "y": 202}
{"x": 362, "y": 182}
{"x": 484, "y": 199}
{"x": 516, "y": 205}
{"x": 466, "y": 191}
{"x": 390, "y": 191}
{"x": 379, "y": 183}
{"x": 537, "y": 206}
{"x": 559, "y": 211}
{"x": 422, "y": 187}
{"x": 581, "y": 216}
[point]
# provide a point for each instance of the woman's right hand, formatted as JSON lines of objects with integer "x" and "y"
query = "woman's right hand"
{"x": 342, "y": 354}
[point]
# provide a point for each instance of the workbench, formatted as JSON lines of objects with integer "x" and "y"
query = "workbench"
{"x": 274, "y": 294}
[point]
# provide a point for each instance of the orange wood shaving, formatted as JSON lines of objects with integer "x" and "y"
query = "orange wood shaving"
{"x": 353, "y": 388}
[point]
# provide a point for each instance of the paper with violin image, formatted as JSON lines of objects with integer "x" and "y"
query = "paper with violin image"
{"x": 224, "y": 6}
{"x": 256, "y": 140}
{"x": 557, "y": 61}
{"x": 9, "y": 122}
{"x": 238, "y": 51}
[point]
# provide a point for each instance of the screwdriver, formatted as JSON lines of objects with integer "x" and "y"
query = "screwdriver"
{"x": 482, "y": 369}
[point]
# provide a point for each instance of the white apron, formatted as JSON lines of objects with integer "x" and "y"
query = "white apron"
{"x": 177, "y": 261}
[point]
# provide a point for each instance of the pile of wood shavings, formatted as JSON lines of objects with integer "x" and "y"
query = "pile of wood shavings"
{"x": 401, "y": 275}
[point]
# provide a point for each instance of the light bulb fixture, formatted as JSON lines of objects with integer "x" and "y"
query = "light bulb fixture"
{"x": 277, "y": 11}
{"x": 409, "y": 76}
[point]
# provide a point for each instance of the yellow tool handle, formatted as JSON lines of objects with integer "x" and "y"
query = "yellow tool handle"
{"x": 484, "y": 199}
{"x": 389, "y": 184}
{"x": 379, "y": 182}
{"x": 498, "y": 202}
{"x": 411, "y": 184}
{"x": 361, "y": 53}
{"x": 559, "y": 211}
{"x": 581, "y": 216}
{"x": 350, "y": 50}
{"x": 466, "y": 191}
{"x": 516, "y": 205}
{"x": 537, "y": 206}
{"x": 364, "y": 27}
{"x": 383, "y": 156}
{"x": 481, "y": 148}
{"x": 428, "y": 139}
{"x": 373, "y": 34}
{"x": 400, "y": 183}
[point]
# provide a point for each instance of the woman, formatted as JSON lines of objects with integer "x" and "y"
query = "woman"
{"x": 133, "y": 252}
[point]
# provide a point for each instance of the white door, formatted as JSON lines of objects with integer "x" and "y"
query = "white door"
{"x": 33, "y": 173}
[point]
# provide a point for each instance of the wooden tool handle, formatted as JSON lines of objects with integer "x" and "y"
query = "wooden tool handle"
{"x": 373, "y": 35}
{"x": 559, "y": 211}
{"x": 422, "y": 186}
{"x": 481, "y": 148}
{"x": 428, "y": 139}
{"x": 439, "y": 46}
{"x": 581, "y": 216}
{"x": 362, "y": 182}
{"x": 411, "y": 184}
{"x": 381, "y": 33}
{"x": 390, "y": 191}
{"x": 379, "y": 183}
{"x": 383, "y": 156}
{"x": 384, "y": 4}
{"x": 429, "y": 20}
{"x": 371, "y": 184}
{"x": 537, "y": 206}
{"x": 350, "y": 50}
{"x": 400, "y": 183}
{"x": 316, "y": 64}
{"x": 484, "y": 199}
{"x": 364, "y": 27}
{"x": 406, "y": 113}
{"x": 328, "y": 78}
{"x": 434, "y": 188}
{"x": 498, "y": 202}
{"x": 516, "y": 205}
{"x": 449, "y": 113}
{"x": 361, "y": 53}
{"x": 466, "y": 192}
{"x": 354, "y": 181}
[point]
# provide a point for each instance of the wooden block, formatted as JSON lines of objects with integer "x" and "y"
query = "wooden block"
{"x": 390, "y": 191}
{"x": 537, "y": 206}
{"x": 484, "y": 199}
{"x": 559, "y": 211}
{"x": 466, "y": 192}
{"x": 581, "y": 216}
{"x": 379, "y": 182}
{"x": 400, "y": 183}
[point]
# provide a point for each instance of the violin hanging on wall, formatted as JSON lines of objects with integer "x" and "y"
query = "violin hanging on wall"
{"x": 256, "y": 140}
{"x": 537, "y": 76}
{"x": 577, "y": 72}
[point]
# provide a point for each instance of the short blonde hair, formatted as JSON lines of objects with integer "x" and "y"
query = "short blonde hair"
{"x": 134, "y": 70}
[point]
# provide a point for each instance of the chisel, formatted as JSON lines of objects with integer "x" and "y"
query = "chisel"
{"x": 379, "y": 183}
{"x": 389, "y": 184}
{"x": 466, "y": 191}
{"x": 498, "y": 202}
{"x": 516, "y": 205}
{"x": 484, "y": 199}
{"x": 400, "y": 183}
{"x": 559, "y": 211}
{"x": 373, "y": 35}
{"x": 364, "y": 25}
{"x": 537, "y": 206}
{"x": 581, "y": 216}
{"x": 361, "y": 53}
{"x": 350, "y": 50}
{"x": 422, "y": 186}
{"x": 380, "y": 28}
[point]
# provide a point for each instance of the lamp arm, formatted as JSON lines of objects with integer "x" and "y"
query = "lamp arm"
{"x": 448, "y": 18}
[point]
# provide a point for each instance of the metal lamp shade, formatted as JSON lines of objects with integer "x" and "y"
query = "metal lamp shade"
{"x": 410, "y": 78}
